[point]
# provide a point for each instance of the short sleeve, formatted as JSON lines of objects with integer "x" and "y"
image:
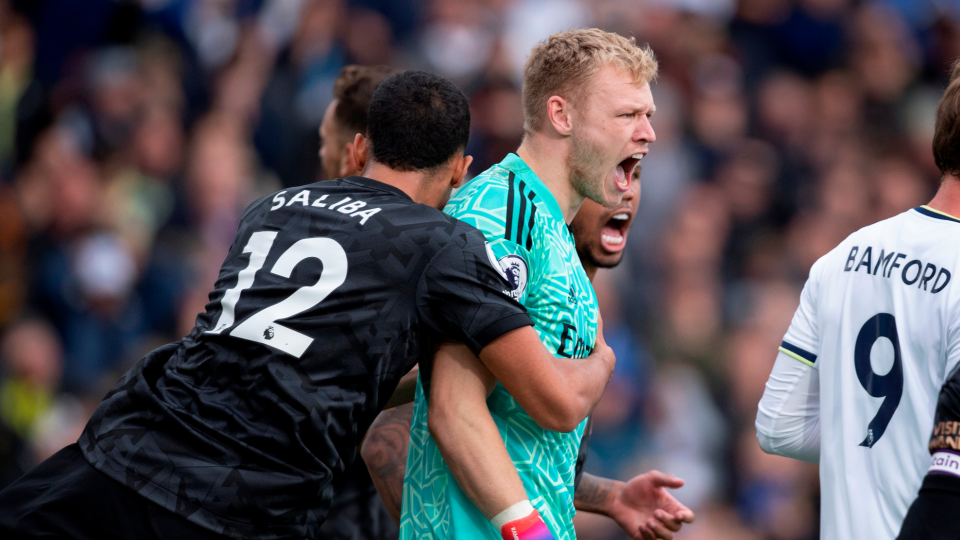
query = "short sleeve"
{"x": 946, "y": 423}
{"x": 802, "y": 341}
{"x": 953, "y": 339}
{"x": 463, "y": 297}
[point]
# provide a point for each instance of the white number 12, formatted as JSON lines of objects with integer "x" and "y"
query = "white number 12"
{"x": 262, "y": 326}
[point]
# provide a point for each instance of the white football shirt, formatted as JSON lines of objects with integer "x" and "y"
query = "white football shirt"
{"x": 879, "y": 317}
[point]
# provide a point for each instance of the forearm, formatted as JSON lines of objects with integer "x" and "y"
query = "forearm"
{"x": 558, "y": 393}
{"x": 385, "y": 452}
{"x": 788, "y": 416}
{"x": 406, "y": 389}
{"x": 467, "y": 436}
{"x": 596, "y": 495}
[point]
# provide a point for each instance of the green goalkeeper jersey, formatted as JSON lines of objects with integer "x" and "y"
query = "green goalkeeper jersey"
{"x": 528, "y": 236}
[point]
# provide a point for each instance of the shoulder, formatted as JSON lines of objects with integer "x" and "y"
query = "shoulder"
{"x": 486, "y": 193}
{"x": 252, "y": 207}
{"x": 500, "y": 204}
{"x": 851, "y": 245}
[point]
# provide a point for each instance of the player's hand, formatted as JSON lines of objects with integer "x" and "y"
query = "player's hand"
{"x": 645, "y": 510}
{"x": 600, "y": 347}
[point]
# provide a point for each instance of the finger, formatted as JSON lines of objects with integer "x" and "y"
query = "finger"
{"x": 686, "y": 515}
{"x": 660, "y": 530}
{"x": 665, "y": 480}
{"x": 671, "y": 522}
{"x": 645, "y": 533}
{"x": 678, "y": 510}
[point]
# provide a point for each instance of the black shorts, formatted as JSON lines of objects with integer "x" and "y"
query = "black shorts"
{"x": 65, "y": 497}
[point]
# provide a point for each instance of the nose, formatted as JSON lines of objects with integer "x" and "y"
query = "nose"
{"x": 644, "y": 132}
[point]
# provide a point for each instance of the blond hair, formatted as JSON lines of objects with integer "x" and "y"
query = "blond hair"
{"x": 565, "y": 62}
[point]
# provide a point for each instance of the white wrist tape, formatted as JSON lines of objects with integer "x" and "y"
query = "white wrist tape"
{"x": 520, "y": 510}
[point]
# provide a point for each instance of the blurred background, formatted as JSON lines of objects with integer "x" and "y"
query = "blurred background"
{"x": 134, "y": 133}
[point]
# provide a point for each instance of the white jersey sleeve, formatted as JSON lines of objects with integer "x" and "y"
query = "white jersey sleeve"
{"x": 802, "y": 341}
{"x": 788, "y": 416}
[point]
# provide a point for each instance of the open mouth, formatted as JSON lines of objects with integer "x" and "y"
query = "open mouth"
{"x": 614, "y": 233}
{"x": 624, "y": 171}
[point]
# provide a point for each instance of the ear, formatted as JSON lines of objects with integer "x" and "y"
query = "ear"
{"x": 347, "y": 160}
{"x": 558, "y": 114}
{"x": 460, "y": 167}
{"x": 359, "y": 152}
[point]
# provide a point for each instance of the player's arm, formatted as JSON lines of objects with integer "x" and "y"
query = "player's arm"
{"x": 384, "y": 450}
{"x": 642, "y": 507}
{"x": 935, "y": 514}
{"x": 465, "y": 433}
{"x": 788, "y": 416}
{"x": 558, "y": 393}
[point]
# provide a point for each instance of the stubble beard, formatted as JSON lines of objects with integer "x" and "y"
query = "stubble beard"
{"x": 583, "y": 166}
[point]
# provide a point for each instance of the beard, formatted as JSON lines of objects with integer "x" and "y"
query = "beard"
{"x": 585, "y": 168}
{"x": 589, "y": 257}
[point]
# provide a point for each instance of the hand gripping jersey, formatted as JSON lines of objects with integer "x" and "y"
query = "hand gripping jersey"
{"x": 329, "y": 295}
{"x": 879, "y": 318}
{"x": 526, "y": 230}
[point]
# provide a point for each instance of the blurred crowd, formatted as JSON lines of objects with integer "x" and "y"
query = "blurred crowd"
{"x": 133, "y": 133}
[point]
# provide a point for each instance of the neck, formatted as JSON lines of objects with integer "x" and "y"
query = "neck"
{"x": 947, "y": 199}
{"x": 590, "y": 269}
{"x": 412, "y": 183}
{"x": 547, "y": 157}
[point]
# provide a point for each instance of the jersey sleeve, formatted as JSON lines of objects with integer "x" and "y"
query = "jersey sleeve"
{"x": 953, "y": 340}
{"x": 946, "y": 422}
{"x": 802, "y": 341}
{"x": 463, "y": 297}
{"x": 788, "y": 415}
{"x": 941, "y": 487}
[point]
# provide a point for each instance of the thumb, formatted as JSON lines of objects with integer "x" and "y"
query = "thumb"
{"x": 660, "y": 479}
{"x": 600, "y": 342}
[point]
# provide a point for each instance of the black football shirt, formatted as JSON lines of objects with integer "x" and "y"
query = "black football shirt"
{"x": 330, "y": 293}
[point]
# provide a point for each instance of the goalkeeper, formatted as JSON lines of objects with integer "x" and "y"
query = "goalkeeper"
{"x": 587, "y": 104}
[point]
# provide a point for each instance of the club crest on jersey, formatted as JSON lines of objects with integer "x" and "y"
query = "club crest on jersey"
{"x": 515, "y": 270}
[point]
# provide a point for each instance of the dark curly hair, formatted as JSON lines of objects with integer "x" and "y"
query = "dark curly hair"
{"x": 417, "y": 120}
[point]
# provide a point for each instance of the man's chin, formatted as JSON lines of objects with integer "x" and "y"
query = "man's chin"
{"x": 605, "y": 197}
{"x": 606, "y": 260}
